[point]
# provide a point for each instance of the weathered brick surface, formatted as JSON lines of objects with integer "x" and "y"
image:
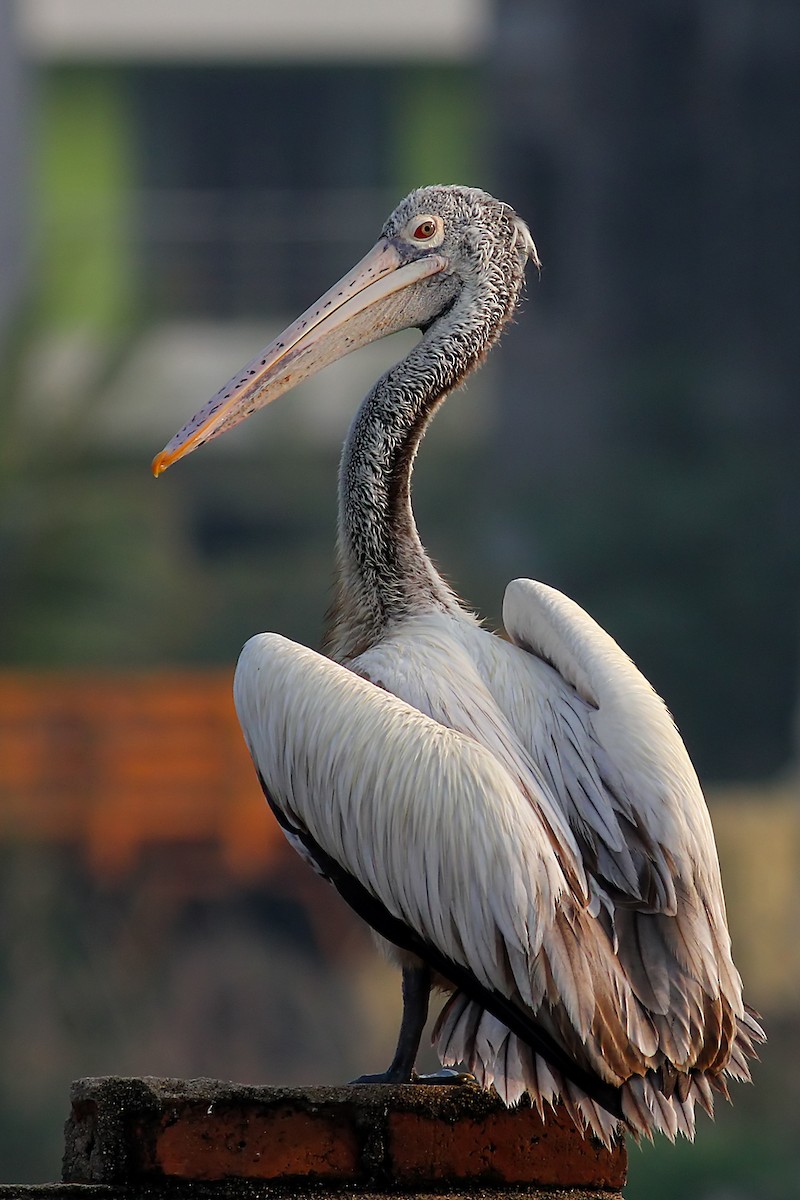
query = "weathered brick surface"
{"x": 504, "y": 1147}
{"x": 154, "y": 1131}
{"x": 199, "y": 1142}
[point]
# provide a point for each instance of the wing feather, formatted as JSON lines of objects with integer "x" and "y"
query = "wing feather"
{"x": 426, "y": 664}
{"x": 422, "y": 815}
{"x": 616, "y": 764}
{"x": 624, "y": 733}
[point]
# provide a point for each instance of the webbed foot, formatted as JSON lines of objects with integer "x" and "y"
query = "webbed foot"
{"x": 416, "y": 990}
{"x": 389, "y": 1076}
{"x": 445, "y": 1076}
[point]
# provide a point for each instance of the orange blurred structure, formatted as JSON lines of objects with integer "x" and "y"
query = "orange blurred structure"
{"x": 112, "y": 764}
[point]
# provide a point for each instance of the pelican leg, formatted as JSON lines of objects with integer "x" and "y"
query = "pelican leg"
{"x": 416, "y": 994}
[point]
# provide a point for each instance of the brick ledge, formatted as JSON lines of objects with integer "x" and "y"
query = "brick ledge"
{"x": 418, "y": 1139}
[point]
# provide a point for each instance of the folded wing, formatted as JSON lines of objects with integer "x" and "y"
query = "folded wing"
{"x": 422, "y": 816}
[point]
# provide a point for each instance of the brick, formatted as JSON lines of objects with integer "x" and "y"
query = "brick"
{"x": 207, "y": 1143}
{"x": 505, "y": 1147}
{"x": 416, "y": 1139}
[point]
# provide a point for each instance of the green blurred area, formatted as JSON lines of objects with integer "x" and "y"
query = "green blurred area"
{"x": 84, "y": 179}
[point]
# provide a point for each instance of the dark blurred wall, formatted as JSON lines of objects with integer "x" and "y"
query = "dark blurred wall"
{"x": 249, "y": 177}
{"x": 649, "y": 395}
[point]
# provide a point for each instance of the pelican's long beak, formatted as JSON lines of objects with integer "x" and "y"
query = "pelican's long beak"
{"x": 328, "y": 330}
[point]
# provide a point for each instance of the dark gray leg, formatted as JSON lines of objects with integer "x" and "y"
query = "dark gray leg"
{"x": 416, "y": 994}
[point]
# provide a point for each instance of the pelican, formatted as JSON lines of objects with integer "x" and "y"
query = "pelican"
{"x": 518, "y": 820}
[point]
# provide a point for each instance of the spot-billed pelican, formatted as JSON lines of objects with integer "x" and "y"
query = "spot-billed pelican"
{"x": 518, "y": 820}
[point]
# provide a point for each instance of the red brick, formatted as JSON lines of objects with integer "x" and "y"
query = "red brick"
{"x": 250, "y": 1143}
{"x": 507, "y": 1146}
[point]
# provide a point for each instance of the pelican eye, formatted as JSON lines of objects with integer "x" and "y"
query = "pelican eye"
{"x": 425, "y": 230}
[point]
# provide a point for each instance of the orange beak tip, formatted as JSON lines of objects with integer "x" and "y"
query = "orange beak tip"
{"x": 159, "y": 464}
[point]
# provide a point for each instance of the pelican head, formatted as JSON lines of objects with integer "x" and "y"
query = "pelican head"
{"x": 443, "y": 247}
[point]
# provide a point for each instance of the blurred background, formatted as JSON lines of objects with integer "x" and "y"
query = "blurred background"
{"x": 177, "y": 180}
